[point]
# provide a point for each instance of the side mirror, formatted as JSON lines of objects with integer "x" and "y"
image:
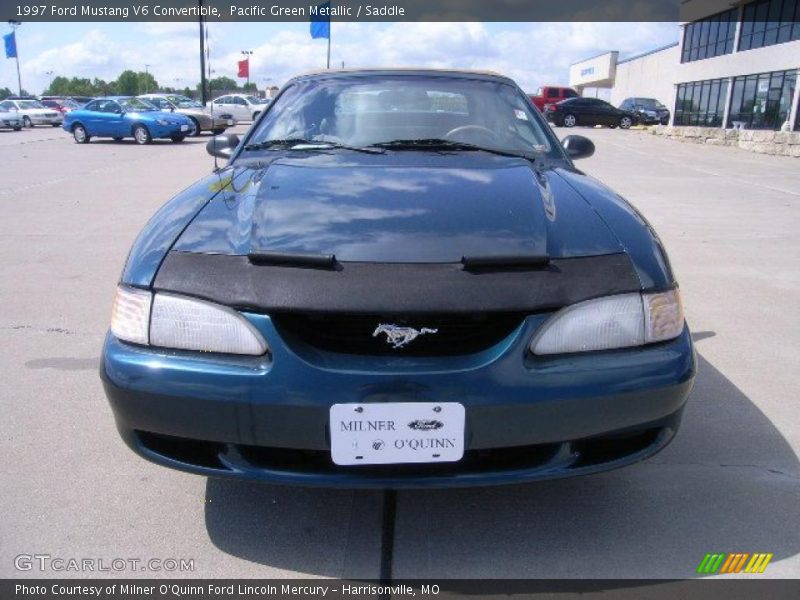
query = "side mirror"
{"x": 578, "y": 146}
{"x": 222, "y": 146}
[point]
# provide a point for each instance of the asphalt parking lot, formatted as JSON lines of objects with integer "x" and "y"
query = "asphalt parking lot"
{"x": 730, "y": 482}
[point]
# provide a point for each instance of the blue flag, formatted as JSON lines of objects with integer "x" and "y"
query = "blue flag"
{"x": 321, "y": 22}
{"x": 10, "y": 41}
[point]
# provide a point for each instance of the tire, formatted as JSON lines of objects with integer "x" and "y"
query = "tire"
{"x": 255, "y": 114}
{"x": 569, "y": 120}
{"x": 26, "y": 122}
{"x": 196, "y": 131}
{"x": 612, "y": 126}
{"x": 141, "y": 135}
{"x": 55, "y": 124}
{"x": 178, "y": 138}
{"x": 17, "y": 128}
{"x": 625, "y": 123}
{"x": 80, "y": 134}
{"x": 218, "y": 131}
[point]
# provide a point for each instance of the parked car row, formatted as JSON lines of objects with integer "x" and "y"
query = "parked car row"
{"x": 143, "y": 118}
{"x": 563, "y": 106}
{"x": 30, "y": 112}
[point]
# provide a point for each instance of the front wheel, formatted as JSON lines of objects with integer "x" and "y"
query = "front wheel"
{"x": 255, "y": 115}
{"x": 195, "y": 131}
{"x": 56, "y": 124}
{"x": 80, "y": 134}
{"x": 17, "y": 127}
{"x": 177, "y": 138}
{"x": 625, "y": 123}
{"x": 570, "y": 121}
{"x": 141, "y": 135}
{"x": 26, "y": 121}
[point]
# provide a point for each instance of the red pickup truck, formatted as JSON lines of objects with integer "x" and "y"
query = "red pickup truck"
{"x": 550, "y": 94}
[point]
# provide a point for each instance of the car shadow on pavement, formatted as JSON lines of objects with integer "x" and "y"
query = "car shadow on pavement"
{"x": 728, "y": 483}
{"x": 155, "y": 142}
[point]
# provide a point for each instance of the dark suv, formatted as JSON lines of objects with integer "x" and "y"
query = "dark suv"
{"x": 649, "y": 111}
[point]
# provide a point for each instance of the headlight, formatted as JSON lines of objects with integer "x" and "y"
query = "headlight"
{"x": 612, "y": 322}
{"x": 171, "y": 321}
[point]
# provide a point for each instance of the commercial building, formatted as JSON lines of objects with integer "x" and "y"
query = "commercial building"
{"x": 736, "y": 65}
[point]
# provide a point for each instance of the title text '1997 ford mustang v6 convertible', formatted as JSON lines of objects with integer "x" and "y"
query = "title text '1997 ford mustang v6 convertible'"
{"x": 398, "y": 280}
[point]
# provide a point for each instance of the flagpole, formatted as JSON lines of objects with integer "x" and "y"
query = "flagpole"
{"x": 329, "y": 45}
{"x": 203, "y": 97}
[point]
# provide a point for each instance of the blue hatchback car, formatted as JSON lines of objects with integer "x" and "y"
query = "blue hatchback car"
{"x": 121, "y": 117}
{"x": 399, "y": 279}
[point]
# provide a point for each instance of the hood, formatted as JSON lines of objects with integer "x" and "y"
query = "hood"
{"x": 426, "y": 209}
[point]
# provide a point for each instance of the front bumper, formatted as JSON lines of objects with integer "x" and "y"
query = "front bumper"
{"x": 221, "y": 122}
{"x": 527, "y": 418}
{"x": 168, "y": 131}
{"x": 43, "y": 120}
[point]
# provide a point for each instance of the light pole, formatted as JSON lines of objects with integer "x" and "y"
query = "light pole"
{"x": 146, "y": 79}
{"x": 14, "y": 24}
{"x": 247, "y": 54}
{"x": 49, "y": 85}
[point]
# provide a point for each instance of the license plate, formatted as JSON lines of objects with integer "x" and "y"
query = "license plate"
{"x": 230, "y": 122}
{"x": 184, "y": 128}
{"x": 397, "y": 432}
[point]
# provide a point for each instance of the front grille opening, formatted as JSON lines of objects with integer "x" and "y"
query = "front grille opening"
{"x": 193, "y": 452}
{"x": 356, "y": 334}
{"x": 474, "y": 461}
{"x": 605, "y": 449}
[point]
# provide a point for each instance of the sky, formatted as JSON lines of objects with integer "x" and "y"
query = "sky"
{"x": 533, "y": 54}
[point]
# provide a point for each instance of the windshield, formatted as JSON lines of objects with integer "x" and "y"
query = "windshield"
{"x": 29, "y": 104}
{"x": 360, "y": 111}
{"x": 184, "y": 102}
{"x": 136, "y": 105}
{"x": 254, "y": 100}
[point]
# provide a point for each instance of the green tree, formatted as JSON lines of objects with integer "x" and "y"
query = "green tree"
{"x": 5, "y": 93}
{"x": 127, "y": 83}
{"x": 147, "y": 83}
{"x": 222, "y": 83}
{"x": 250, "y": 87}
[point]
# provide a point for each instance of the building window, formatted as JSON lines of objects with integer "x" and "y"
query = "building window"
{"x": 709, "y": 37}
{"x": 701, "y": 103}
{"x": 762, "y": 101}
{"x": 769, "y": 22}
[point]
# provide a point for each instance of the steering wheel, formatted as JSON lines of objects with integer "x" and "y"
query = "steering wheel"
{"x": 479, "y": 129}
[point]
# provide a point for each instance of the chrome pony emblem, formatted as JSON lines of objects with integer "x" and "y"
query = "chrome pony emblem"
{"x": 400, "y": 336}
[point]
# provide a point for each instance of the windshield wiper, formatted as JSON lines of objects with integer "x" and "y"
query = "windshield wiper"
{"x": 442, "y": 144}
{"x": 303, "y": 144}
